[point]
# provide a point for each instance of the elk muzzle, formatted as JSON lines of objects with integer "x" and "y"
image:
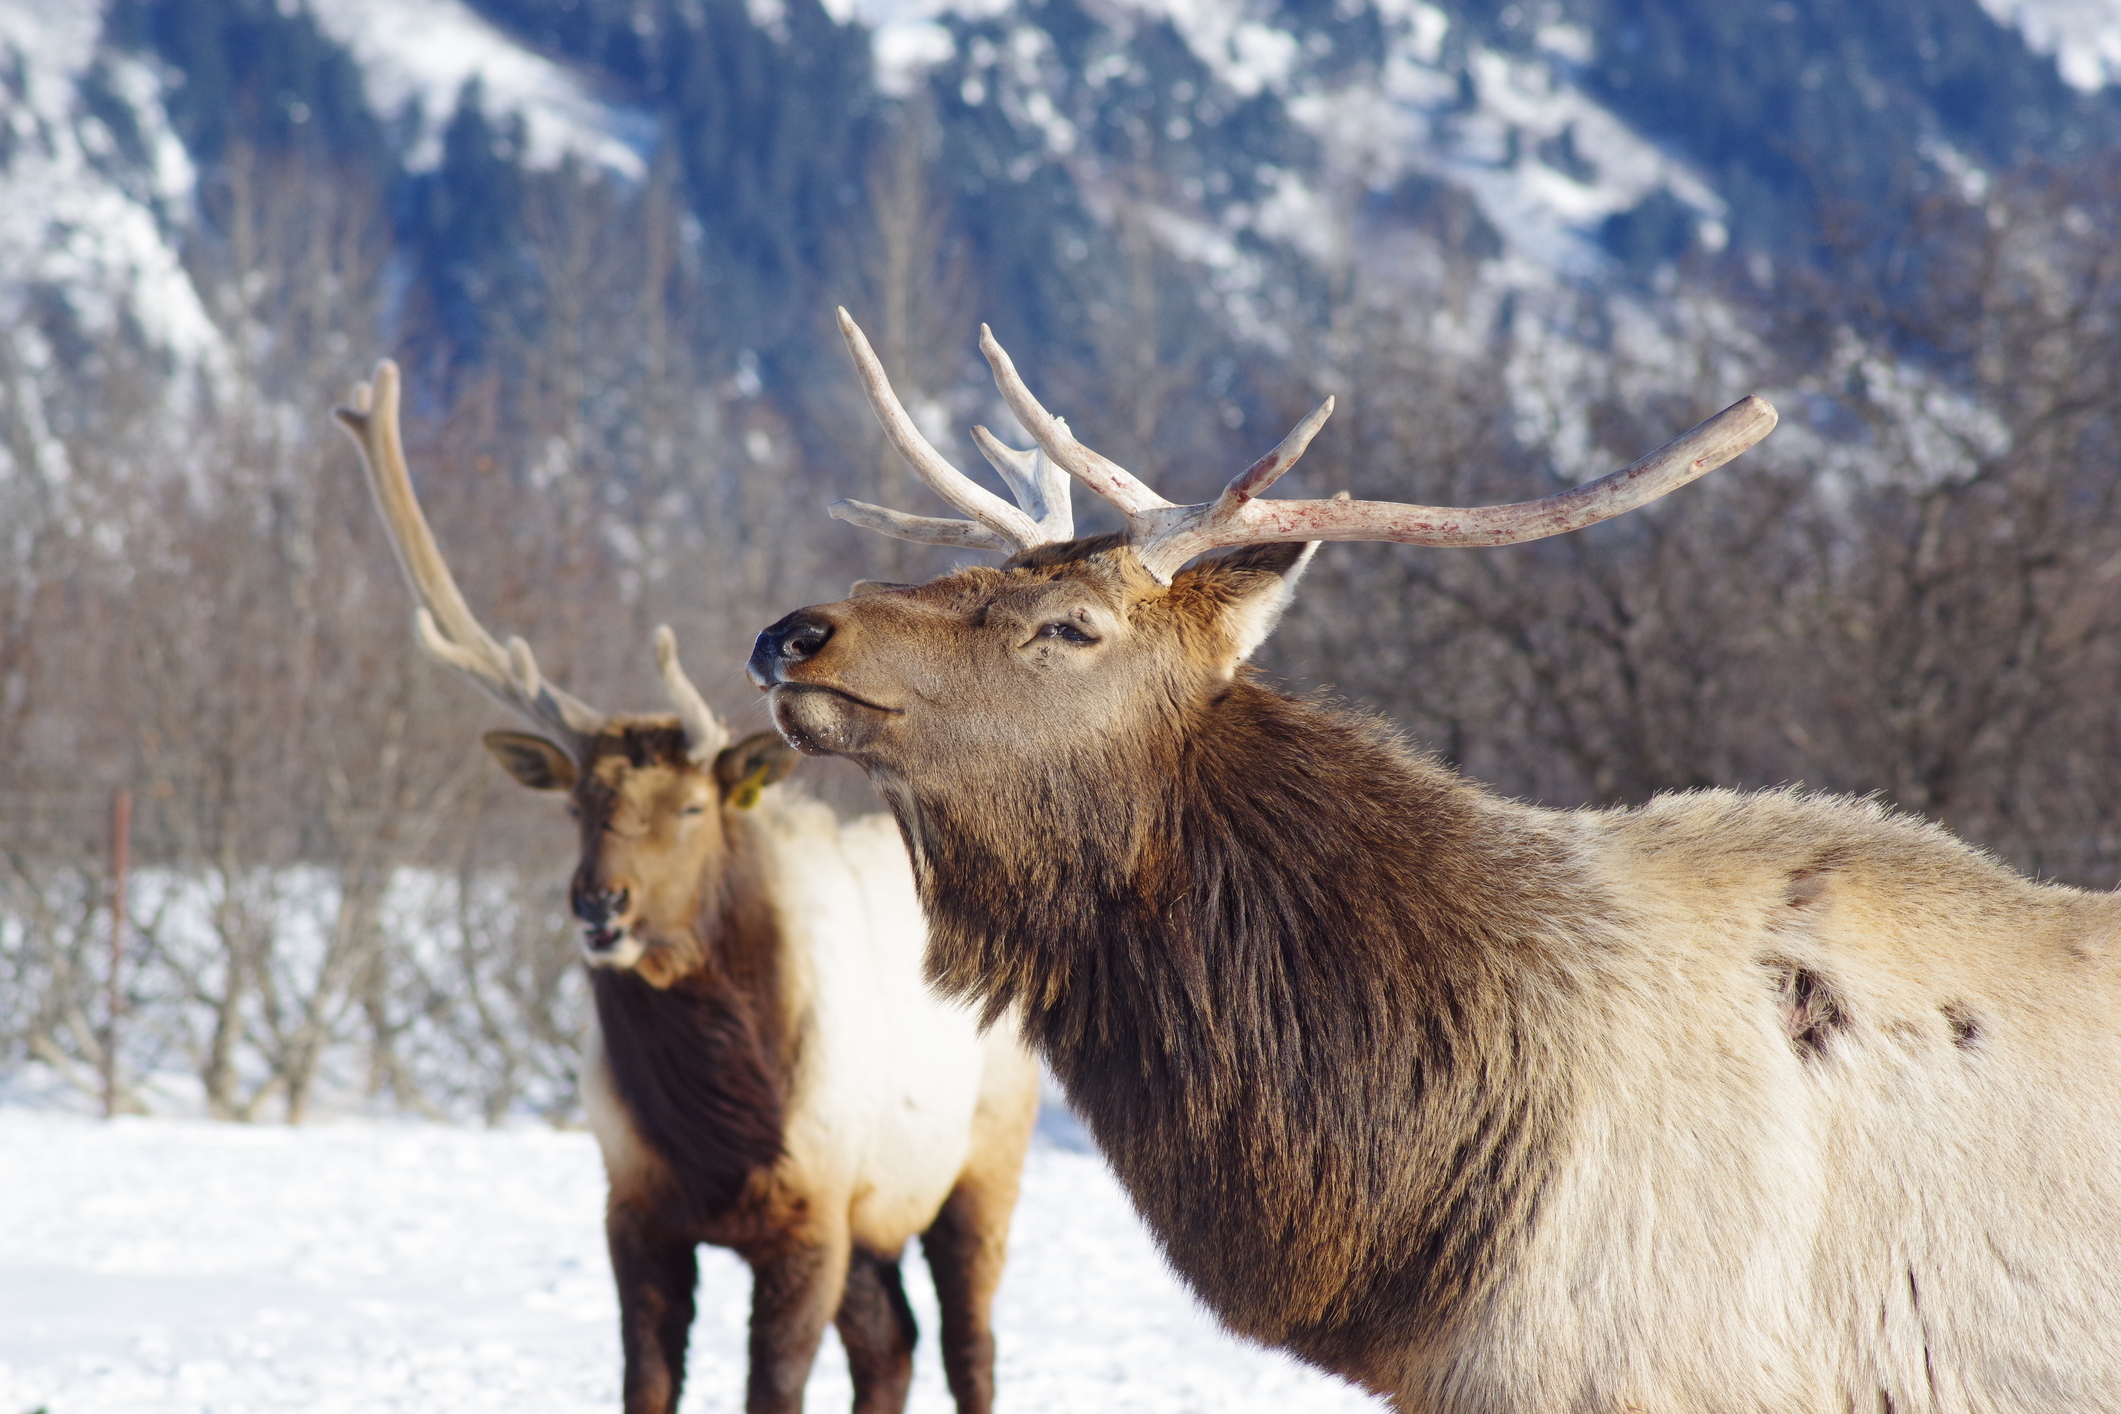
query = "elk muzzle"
{"x": 796, "y": 638}
{"x": 597, "y": 908}
{"x": 814, "y": 717}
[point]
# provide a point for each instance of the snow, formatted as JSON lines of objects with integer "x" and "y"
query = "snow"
{"x": 907, "y": 49}
{"x": 1410, "y": 120}
{"x": 176, "y": 1265}
{"x": 69, "y": 217}
{"x": 907, "y": 37}
{"x": 425, "y": 51}
{"x": 2083, "y": 35}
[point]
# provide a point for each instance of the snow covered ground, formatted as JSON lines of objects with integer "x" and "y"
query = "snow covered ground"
{"x": 175, "y": 1266}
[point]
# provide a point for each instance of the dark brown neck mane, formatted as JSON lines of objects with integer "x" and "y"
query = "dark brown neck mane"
{"x": 1282, "y": 970}
{"x": 702, "y": 1066}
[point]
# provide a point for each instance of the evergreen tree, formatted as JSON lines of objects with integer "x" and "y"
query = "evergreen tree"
{"x": 464, "y": 227}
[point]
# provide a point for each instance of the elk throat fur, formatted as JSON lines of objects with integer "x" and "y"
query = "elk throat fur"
{"x": 1292, "y": 975}
{"x": 701, "y": 1063}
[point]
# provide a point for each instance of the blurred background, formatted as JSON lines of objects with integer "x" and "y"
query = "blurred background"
{"x": 1522, "y": 243}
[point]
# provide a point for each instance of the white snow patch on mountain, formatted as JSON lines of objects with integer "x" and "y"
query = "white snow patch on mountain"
{"x": 425, "y": 51}
{"x": 2083, "y": 35}
{"x": 176, "y": 1267}
{"x": 907, "y": 49}
{"x": 1241, "y": 49}
{"x": 1545, "y": 162}
{"x": 1546, "y": 210}
{"x": 907, "y": 36}
{"x": 74, "y": 215}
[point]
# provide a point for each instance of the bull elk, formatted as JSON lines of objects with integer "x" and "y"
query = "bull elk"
{"x": 768, "y": 1073}
{"x": 1733, "y": 1102}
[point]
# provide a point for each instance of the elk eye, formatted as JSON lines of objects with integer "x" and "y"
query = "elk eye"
{"x": 693, "y": 810}
{"x": 1066, "y": 632}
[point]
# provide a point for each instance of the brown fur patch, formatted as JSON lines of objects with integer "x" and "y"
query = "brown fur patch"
{"x": 690, "y": 1066}
{"x": 1810, "y": 884}
{"x": 1218, "y": 921}
{"x": 1964, "y": 1026}
{"x": 1812, "y": 1011}
{"x": 1805, "y": 888}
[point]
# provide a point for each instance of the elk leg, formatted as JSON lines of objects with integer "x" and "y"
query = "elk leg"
{"x": 656, "y": 1274}
{"x": 794, "y": 1292}
{"x": 876, "y": 1326}
{"x": 966, "y": 1247}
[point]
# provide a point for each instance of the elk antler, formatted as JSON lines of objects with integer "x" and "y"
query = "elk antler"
{"x": 444, "y": 623}
{"x": 1041, "y": 516}
{"x": 705, "y": 736}
{"x": 1165, "y": 536}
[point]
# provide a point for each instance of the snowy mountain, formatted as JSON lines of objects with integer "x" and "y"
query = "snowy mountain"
{"x": 1578, "y": 144}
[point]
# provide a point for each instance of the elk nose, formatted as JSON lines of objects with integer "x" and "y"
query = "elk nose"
{"x": 786, "y": 643}
{"x": 596, "y": 907}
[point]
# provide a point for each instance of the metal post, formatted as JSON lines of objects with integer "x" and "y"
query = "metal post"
{"x": 121, "y": 839}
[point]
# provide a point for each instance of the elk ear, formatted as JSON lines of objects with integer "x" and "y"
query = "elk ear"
{"x": 756, "y": 762}
{"x": 1249, "y": 588}
{"x": 532, "y": 760}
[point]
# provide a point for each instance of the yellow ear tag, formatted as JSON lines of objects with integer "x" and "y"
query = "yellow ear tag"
{"x": 749, "y": 789}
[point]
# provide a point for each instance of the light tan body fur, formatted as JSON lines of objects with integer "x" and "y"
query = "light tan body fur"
{"x": 1917, "y": 1211}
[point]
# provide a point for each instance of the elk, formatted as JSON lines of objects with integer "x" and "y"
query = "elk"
{"x": 767, "y": 1072}
{"x": 1730, "y": 1102}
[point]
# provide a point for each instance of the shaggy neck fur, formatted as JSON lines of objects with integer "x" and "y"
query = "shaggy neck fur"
{"x": 1287, "y": 971}
{"x": 702, "y": 1064}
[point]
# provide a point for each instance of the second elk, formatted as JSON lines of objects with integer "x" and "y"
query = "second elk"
{"x": 768, "y": 1072}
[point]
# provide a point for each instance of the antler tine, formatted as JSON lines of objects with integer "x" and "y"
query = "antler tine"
{"x": 705, "y": 736}
{"x": 1015, "y": 467}
{"x": 1268, "y": 469}
{"x": 924, "y": 530}
{"x": 1107, "y": 478}
{"x": 1056, "y": 489}
{"x": 1037, "y": 482}
{"x": 444, "y": 624}
{"x": 1166, "y": 539}
{"x": 964, "y": 494}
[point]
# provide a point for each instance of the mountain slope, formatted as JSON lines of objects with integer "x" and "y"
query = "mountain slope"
{"x": 1585, "y": 144}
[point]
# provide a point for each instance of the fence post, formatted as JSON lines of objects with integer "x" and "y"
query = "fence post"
{"x": 121, "y": 839}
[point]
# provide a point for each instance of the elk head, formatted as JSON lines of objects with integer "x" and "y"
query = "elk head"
{"x": 1058, "y": 666}
{"x": 654, "y": 799}
{"x": 653, "y": 794}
